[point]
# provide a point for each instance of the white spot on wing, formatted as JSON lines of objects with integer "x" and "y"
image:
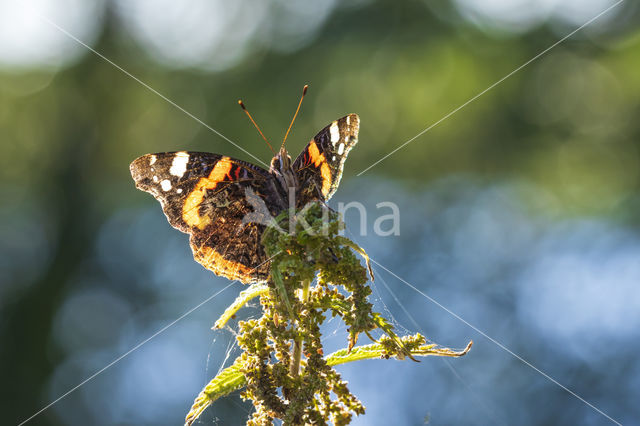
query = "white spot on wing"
{"x": 179, "y": 190}
{"x": 335, "y": 132}
{"x": 179, "y": 164}
{"x": 333, "y": 158}
{"x": 152, "y": 160}
{"x": 340, "y": 149}
{"x": 348, "y": 120}
{"x": 155, "y": 179}
{"x": 166, "y": 185}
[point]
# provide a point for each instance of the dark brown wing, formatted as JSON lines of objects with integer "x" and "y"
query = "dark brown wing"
{"x": 319, "y": 166}
{"x": 206, "y": 195}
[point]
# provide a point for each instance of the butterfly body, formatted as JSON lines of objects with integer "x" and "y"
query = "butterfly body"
{"x": 225, "y": 204}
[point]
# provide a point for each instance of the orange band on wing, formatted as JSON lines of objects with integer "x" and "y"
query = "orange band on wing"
{"x": 191, "y": 207}
{"x": 319, "y": 161}
{"x": 214, "y": 261}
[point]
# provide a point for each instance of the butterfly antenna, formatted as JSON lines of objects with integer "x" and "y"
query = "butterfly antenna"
{"x": 244, "y": 108}
{"x": 304, "y": 92}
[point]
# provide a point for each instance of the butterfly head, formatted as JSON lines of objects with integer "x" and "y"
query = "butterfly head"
{"x": 281, "y": 162}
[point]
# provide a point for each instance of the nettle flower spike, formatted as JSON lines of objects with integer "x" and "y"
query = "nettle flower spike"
{"x": 283, "y": 369}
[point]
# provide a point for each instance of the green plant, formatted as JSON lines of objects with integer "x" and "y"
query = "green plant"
{"x": 283, "y": 369}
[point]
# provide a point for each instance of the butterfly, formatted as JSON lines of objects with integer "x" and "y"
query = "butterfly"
{"x": 210, "y": 196}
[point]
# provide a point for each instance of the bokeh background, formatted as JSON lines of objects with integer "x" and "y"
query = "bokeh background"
{"x": 519, "y": 213}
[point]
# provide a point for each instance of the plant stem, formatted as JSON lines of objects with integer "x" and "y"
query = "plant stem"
{"x": 294, "y": 367}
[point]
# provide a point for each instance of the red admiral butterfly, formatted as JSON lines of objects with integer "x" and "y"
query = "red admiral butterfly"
{"x": 209, "y": 195}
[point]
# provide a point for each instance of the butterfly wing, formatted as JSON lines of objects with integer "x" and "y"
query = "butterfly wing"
{"x": 319, "y": 166}
{"x": 207, "y": 196}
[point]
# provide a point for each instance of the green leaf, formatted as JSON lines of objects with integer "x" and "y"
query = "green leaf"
{"x": 245, "y": 296}
{"x": 227, "y": 381}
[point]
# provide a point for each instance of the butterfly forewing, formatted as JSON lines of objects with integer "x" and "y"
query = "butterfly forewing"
{"x": 204, "y": 195}
{"x": 319, "y": 166}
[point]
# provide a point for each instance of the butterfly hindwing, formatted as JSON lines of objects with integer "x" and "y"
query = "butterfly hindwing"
{"x": 319, "y": 166}
{"x": 205, "y": 195}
